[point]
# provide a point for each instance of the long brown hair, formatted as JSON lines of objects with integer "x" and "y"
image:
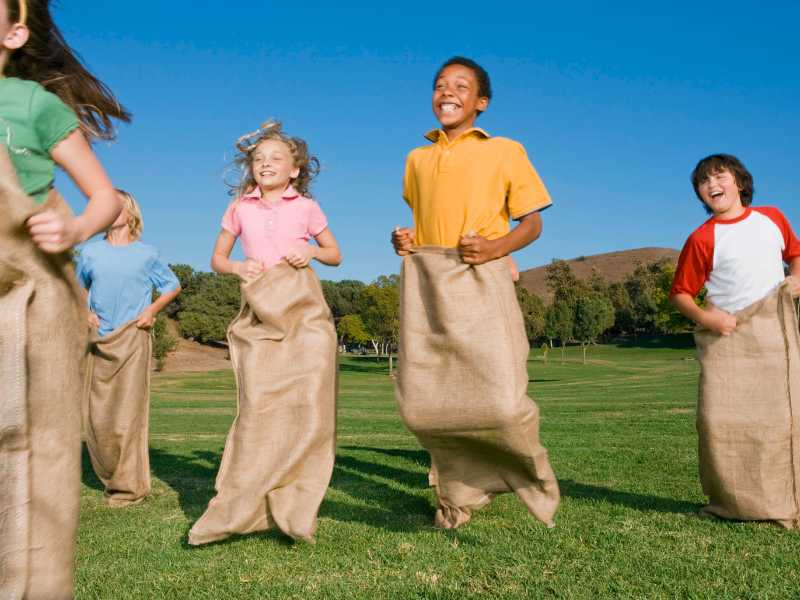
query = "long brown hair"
{"x": 306, "y": 163}
{"x": 47, "y": 59}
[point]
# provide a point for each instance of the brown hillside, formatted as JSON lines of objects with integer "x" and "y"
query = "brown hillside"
{"x": 191, "y": 356}
{"x": 614, "y": 266}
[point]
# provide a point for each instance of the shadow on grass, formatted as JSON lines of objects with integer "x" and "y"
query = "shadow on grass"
{"x": 392, "y": 507}
{"x": 88, "y": 476}
{"x": 585, "y": 491}
{"x": 375, "y": 369}
{"x": 192, "y": 481}
{"x": 680, "y": 341}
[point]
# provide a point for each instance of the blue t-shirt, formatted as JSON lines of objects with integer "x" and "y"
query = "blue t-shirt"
{"x": 121, "y": 279}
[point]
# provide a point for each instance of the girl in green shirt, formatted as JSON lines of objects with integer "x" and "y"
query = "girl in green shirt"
{"x": 50, "y": 109}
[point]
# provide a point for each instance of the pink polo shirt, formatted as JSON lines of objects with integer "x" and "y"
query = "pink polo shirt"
{"x": 271, "y": 231}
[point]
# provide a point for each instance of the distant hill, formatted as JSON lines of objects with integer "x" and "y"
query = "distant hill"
{"x": 614, "y": 266}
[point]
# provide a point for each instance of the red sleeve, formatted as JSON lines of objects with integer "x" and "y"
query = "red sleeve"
{"x": 791, "y": 245}
{"x": 695, "y": 262}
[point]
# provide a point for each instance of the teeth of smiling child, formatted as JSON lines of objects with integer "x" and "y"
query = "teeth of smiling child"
{"x": 449, "y": 107}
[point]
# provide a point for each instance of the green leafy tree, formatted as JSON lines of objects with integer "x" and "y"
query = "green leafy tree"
{"x": 562, "y": 283}
{"x": 380, "y": 314}
{"x": 594, "y": 313}
{"x": 163, "y": 341}
{"x": 651, "y": 311}
{"x": 351, "y": 329}
{"x": 343, "y": 296}
{"x": 186, "y": 277}
{"x": 533, "y": 313}
{"x": 560, "y": 321}
{"x": 206, "y": 313}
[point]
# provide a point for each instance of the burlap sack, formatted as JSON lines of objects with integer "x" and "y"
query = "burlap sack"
{"x": 278, "y": 457}
{"x": 116, "y": 412}
{"x": 42, "y": 344}
{"x": 462, "y": 386}
{"x": 748, "y": 414}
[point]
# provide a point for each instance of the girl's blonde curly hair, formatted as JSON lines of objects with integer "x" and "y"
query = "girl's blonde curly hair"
{"x": 307, "y": 164}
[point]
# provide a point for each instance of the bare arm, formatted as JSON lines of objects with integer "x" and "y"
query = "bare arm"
{"x": 53, "y": 232}
{"x": 327, "y": 251}
{"x": 712, "y": 318}
{"x": 476, "y": 250}
{"x": 149, "y": 314}
{"x": 221, "y": 263}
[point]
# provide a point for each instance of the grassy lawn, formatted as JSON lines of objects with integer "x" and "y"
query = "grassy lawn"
{"x": 620, "y": 431}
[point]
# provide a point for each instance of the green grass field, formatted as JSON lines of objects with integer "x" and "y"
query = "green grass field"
{"x": 620, "y": 431}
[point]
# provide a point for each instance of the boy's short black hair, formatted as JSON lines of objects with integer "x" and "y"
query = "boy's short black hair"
{"x": 484, "y": 83}
{"x": 724, "y": 162}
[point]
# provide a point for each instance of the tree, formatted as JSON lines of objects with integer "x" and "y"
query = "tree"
{"x": 651, "y": 311}
{"x": 563, "y": 284}
{"x": 533, "y": 313}
{"x": 186, "y": 277}
{"x": 351, "y": 329}
{"x": 594, "y": 313}
{"x": 163, "y": 341}
{"x": 381, "y": 314}
{"x": 560, "y": 322}
{"x": 343, "y": 296}
{"x": 206, "y": 313}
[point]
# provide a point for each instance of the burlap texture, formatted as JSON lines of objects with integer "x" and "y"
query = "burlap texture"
{"x": 748, "y": 415}
{"x": 42, "y": 345}
{"x": 462, "y": 386}
{"x": 116, "y": 412}
{"x": 279, "y": 454}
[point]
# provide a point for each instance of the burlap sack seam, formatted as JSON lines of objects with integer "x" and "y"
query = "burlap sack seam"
{"x": 16, "y": 514}
{"x": 785, "y": 297}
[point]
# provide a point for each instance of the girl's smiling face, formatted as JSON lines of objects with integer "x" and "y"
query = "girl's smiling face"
{"x": 273, "y": 165}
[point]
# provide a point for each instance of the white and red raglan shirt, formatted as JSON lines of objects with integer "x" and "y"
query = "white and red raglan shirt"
{"x": 739, "y": 261}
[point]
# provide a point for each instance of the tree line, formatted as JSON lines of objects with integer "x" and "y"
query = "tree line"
{"x": 367, "y": 315}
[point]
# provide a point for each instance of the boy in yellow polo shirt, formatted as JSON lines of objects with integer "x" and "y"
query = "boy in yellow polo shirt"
{"x": 462, "y": 379}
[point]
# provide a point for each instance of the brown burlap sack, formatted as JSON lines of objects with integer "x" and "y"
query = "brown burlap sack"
{"x": 116, "y": 412}
{"x": 278, "y": 457}
{"x": 748, "y": 414}
{"x": 462, "y": 386}
{"x": 42, "y": 345}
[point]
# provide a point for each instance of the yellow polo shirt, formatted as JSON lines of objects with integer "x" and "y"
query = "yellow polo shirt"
{"x": 472, "y": 183}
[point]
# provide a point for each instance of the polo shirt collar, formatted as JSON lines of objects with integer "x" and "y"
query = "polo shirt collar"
{"x": 434, "y": 135}
{"x": 289, "y": 194}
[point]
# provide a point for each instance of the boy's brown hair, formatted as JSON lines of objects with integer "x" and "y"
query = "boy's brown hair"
{"x": 716, "y": 163}
{"x": 47, "y": 59}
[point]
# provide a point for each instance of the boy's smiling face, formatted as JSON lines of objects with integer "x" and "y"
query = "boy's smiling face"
{"x": 456, "y": 99}
{"x": 721, "y": 194}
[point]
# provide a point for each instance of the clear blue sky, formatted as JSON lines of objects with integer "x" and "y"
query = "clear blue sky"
{"x": 615, "y": 103}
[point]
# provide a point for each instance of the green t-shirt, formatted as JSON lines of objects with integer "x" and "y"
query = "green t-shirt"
{"x": 32, "y": 122}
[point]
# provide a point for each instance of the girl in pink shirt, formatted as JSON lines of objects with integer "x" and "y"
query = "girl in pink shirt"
{"x": 273, "y": 213}
{"x": 278, "y": 457}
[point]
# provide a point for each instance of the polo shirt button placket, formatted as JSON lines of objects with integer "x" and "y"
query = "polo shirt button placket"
{"x": 272, "y": 216}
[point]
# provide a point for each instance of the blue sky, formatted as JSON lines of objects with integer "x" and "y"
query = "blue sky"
{"x": 615, "y": 103}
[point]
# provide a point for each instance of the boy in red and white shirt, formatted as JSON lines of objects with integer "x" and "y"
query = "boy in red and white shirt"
{"x": 738, "y": 255}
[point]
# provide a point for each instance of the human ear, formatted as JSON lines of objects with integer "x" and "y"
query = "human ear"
{"x": 483, "y": 103}
{"x": 294, "y": 174}
{"x": 16, "y": 37}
